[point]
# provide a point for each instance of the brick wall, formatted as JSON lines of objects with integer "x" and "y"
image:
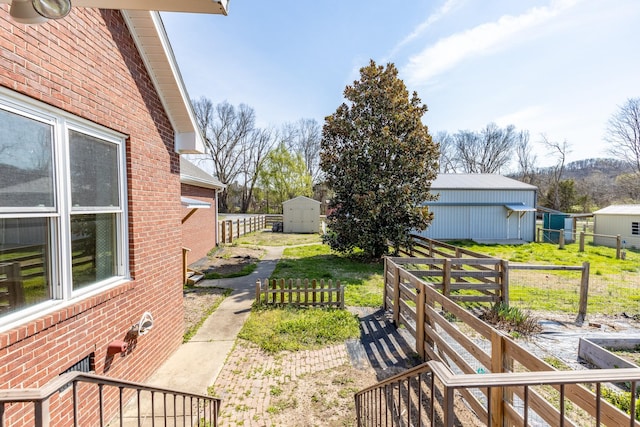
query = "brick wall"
{"x": 87, "y": 64}
{"x": 199, "y": 230}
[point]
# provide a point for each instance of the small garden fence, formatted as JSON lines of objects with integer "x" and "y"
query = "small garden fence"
{"x": 300, "y": 293}
{"x": 447, "y": 333}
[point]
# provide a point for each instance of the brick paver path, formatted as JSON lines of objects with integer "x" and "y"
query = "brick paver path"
{"x": 254, "y": 386}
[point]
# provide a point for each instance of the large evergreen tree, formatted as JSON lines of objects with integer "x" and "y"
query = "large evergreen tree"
{"x": 379, "y": 159}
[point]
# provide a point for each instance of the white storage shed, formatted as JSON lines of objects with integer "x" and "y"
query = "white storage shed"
{"x": 482, "y": 207}
{"x": 614, "y": 220}
{"x": 301, "y": 215}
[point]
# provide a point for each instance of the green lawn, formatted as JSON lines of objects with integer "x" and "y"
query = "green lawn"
{"x": 614, "y": 284}
{"x": 362, "y": 280}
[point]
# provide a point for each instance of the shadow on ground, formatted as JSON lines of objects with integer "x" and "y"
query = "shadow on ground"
{"x": 387, "y": 349}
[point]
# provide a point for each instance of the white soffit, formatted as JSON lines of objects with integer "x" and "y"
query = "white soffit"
{"x": 151, "y": 39}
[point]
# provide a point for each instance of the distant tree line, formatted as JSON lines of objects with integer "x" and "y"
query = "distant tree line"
{"x": 260, "y": 167}
{"x": 264, "y": 167}
{"x": 581, "y": 186}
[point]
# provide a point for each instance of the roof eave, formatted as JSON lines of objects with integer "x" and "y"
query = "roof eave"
{"x": 150, "y": 37}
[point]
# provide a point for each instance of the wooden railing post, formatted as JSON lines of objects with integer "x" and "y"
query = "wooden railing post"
{"x": 420, "y": 318}
{"x": 584, "y": 293}
{"x": 497, "y": 366}
{"x": 384, "y": 285}
{"x": 581, "y": 242}
{"x": 396, "y": 295}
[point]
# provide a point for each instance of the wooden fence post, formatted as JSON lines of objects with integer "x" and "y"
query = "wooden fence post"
{"x": 504, "y": 285}
{"x": 258, "y": 286}
{"x": 618, "y": 246}
{"x": 561, "y": 239}
{"x": 581, "y": 242}
{"x": 584, "y": 293}
{"x": 420, "y": 302}
{"x": 446, "y": 277}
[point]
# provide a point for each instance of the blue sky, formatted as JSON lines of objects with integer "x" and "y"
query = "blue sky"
{"x": 558, "y": 68}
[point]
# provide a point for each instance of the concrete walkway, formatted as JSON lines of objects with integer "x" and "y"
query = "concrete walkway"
{"x": 209, "y": 347}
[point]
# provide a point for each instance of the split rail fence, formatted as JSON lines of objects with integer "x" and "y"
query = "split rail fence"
{"x": 499, "y": 380}
{"x": 300, "y": 292}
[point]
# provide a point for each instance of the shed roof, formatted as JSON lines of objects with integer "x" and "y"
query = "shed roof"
{"x": 619, "y": 210}
{"x": 478, "y": 181}
{"x": 301, "y": 198}
{"x": 192, "y": 175}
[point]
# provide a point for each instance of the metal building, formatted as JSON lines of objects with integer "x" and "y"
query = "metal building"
{"x": 614, "y": 220}
{"x": 301, "y": 215}
{"x": 482, "y": 207}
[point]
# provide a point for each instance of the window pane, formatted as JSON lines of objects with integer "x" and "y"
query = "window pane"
{"x": 25, "y": 161}
{"x": 94, "y": 171}
{"x": 24, "y": 263}
{"x": 93, "y": 247}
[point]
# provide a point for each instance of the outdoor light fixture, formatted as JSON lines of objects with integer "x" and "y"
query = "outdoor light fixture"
{"x": 39, "y": 11}
{"x": 52, "y": 9}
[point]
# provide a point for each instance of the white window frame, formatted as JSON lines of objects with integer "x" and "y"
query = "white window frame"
{"x": 59, "y": 217}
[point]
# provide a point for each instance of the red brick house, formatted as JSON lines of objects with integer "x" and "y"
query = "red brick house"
{"x": 200, "y": 216}
{"x": 93, "y": 119}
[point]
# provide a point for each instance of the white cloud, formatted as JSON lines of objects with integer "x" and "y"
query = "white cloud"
{"x": 447, "y": 7}
{"x": 478, "y": 41}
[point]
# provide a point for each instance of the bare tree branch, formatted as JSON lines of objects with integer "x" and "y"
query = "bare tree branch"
{"x": 623, "y": 133}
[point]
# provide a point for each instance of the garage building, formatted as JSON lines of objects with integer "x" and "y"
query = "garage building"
{"x": 482, "y": 207}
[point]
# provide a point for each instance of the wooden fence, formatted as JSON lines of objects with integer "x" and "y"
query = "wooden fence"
{"x": 230, "y": 229}
{"x": 300, "y": 292}
{"x": 468, "y": 276}
{"x": 596, "y": 239}
{"x": 421, "y": 309}
{"x": 462, "y": 279}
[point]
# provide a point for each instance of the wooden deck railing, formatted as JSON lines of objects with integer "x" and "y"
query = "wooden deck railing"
{"x": 448, "y": 333}
{"x": 299, "y": 292}
{"x": 426, "y": 396}
{"x": 94, "y": 398}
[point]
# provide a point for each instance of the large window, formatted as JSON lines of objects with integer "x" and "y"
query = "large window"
{"x": 62, "y": 208}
